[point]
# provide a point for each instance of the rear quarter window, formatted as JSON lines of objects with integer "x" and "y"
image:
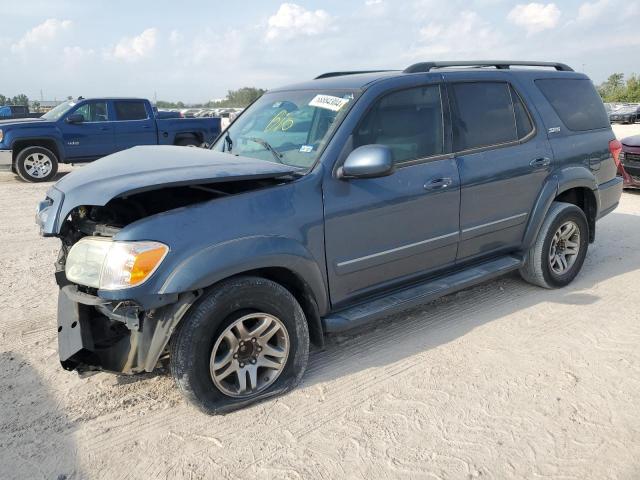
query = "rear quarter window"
{"x": 576, "y": 102}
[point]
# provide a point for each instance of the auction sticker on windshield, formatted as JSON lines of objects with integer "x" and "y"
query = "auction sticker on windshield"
{"x": 329, "y": 102}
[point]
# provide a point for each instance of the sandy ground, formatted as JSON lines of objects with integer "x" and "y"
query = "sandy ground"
{"x": 505, "y": 380}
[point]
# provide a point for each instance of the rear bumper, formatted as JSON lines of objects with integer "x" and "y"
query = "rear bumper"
{"x": 6, "y": 160}
{"x": 97, "y": 334}
{"x": 609, "y": 194}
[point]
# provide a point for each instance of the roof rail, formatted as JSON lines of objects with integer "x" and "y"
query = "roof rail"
{"x": 354, "y": 72}
{"x": 499, "y": 64}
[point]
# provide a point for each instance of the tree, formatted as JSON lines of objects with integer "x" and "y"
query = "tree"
{"x": 3, "y": 100}
{"x": 238, "y": 98}
{"x": 21, "y": 99}
{"x": 615, "y": 89}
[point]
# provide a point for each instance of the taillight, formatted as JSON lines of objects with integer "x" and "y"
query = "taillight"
{"x": 615, "y": 147}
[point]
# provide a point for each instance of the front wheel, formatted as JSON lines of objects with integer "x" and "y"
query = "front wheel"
{"x": 560, "y": 248}
{"x": 245, "y": 340}
{"x": 36, "y": 164}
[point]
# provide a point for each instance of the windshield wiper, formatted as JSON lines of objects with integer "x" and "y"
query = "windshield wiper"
{"x": 277, "y": 155}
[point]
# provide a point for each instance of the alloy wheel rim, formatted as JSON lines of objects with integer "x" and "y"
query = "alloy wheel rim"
{"x": 249, "y": 355}
{"x": 38, "y": 165}
{"x": 565, "y": 247}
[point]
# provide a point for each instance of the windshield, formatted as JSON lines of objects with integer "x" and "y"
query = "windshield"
{"x": 56, "y": 112}
{"x": 287, "y": 127}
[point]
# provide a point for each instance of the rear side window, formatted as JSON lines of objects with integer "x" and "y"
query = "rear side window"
{"x": 576, "y": 102}
{"x": 131, "y": 111}
{"x": 409, "y": 122}
{"x": 483, "y": 115}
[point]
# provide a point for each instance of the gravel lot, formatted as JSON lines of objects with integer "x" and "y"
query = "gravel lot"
{"x": 505, "y": 380}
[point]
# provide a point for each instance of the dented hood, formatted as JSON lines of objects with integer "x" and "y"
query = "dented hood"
{"x": 142, "y": 169}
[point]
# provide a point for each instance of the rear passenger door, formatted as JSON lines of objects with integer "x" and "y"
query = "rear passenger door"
{"x": 383, "y": 232}
{"x": 503, "y": 162}
{"x": 135, "y": 124}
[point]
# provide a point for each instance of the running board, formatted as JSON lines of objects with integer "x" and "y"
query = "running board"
{"x": 418, "y": 294}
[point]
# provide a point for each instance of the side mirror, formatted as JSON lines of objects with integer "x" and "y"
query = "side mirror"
{"x": 368, "y": 161}
{"x": 75, "y": 118}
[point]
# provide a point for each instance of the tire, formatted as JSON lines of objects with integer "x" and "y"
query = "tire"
{"x": 36, "y": 164}
{"x": 539, "y": 268}
{"x": 188, "y": 142}
{"x": 205, "y": 329}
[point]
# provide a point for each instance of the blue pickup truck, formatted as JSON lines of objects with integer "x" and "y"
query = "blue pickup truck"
{"x": 84, "y": 130}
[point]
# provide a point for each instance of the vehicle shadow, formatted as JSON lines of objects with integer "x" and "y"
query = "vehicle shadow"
{"x": 35, "y": 434}
{"x": 444, "y": 320}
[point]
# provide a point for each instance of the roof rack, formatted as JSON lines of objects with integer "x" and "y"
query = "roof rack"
{"x": 499, "y": 64}
{"x": 354, "y": 72}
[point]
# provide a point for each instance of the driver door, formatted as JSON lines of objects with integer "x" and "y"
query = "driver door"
{"x": 384, "y": 232}
{"x": 94, "y": 137}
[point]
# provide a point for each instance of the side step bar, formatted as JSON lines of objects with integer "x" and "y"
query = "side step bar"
{"x": 418, "y": 294}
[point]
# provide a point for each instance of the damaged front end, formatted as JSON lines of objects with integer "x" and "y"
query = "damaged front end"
{"x": 94, "y": 334}
{"x": 124, "y": 324}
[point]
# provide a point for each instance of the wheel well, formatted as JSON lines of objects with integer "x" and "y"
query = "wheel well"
{"x": 585, "y": 199}
{"x": 20, "y": 145}
{"x": 302, "y": 293}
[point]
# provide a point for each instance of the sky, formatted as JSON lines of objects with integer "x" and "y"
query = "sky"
{"x": 197, "y": 50}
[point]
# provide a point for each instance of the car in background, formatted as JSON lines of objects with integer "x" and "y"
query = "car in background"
{"x": 625, "y": 114}
{"x": 630, "y": 161}
{"x": 84, "y": 130}
{"x": 9, "y": 112}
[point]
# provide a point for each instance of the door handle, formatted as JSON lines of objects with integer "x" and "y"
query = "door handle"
{"x": 540, "y": 162}
{"x": 104, "y": 128}
{"x": 438, "y": 183}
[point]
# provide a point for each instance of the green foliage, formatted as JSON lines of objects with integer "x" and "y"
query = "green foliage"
{"x": 615, "y": 89}
{"x": 235, "y": 98}
{"x": 21, "y": 99}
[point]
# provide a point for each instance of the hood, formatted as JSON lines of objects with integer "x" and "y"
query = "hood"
{"x": 20, "y": 121}
{"x": 631, "y": 141}
{"x": 145, "y": 168}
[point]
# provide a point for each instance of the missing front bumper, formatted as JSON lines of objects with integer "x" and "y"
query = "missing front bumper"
{"x": 92, "y": 337}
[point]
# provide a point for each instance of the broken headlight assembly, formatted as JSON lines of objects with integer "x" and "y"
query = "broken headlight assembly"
{"x": 112, "y": 265}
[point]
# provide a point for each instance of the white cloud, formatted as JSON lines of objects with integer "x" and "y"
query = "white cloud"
{"x": 175, "y": 37}
{"x": 535, "y": 17}
{"x": 132, "y": 49}
{"x": 590, "y": 11}
{"x": 371, "y": 3}
{"x": 292, "y": 20}
{"x": 468, "y": 35}
{"x": 41, "y": 34}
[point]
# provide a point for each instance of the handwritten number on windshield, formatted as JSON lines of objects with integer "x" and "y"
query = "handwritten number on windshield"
{"x": 281, "y": 121}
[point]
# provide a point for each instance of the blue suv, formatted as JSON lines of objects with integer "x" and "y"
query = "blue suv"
{"x": 326, "y": 205}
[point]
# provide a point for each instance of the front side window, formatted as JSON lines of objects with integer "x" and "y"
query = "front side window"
{"x": 131, "y": 111}
{"x": 409, "y": 122}
{"x": 483, "y": 115}
{"x": 287, "y": 127}
{"x": 93, "y": 112}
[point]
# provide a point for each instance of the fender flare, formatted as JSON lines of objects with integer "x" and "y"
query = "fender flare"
{"x": 561, "y": 181}
{"x": 37, "y": 139}
{"x": 224, "y": 260}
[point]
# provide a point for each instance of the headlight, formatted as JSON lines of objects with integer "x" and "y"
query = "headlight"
{"x": 111, "y": 265}
{"x": 1, "y": 135}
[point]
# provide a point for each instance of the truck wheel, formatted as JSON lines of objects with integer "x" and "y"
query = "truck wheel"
{"x": 560, "y": 249}
{"x": 188, "y": 142}
{"x": 36, "y": 164}
{"x": 245, "y": 340}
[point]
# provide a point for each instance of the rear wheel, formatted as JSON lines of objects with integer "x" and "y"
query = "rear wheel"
{"x": 560, "y": 249}
{"x": 245, "y": 340}
{"x": 36, "y": 164}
